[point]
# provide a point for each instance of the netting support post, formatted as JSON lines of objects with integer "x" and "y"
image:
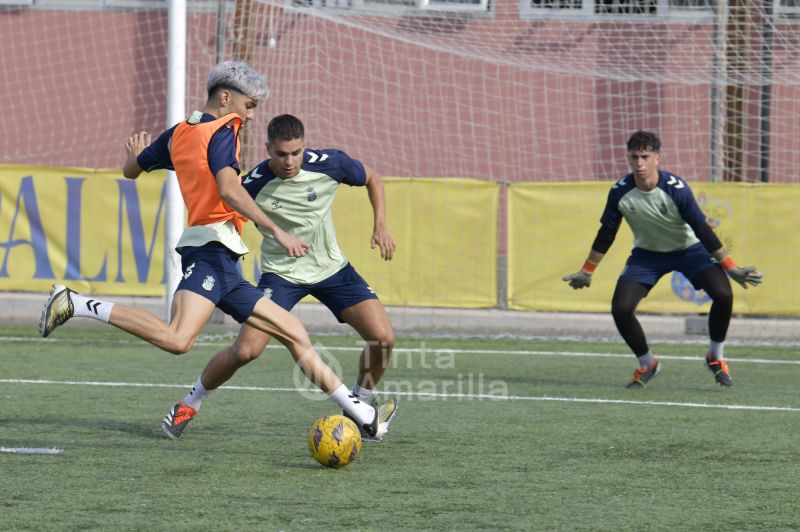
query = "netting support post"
{"x": 176, "y": 111}
{"x": 243, "y": 50}
{"x": 221, "y": 16}
{"x": 766, "y": 91}
{"x": 718, "y": 89}
{"x": 502, "y": 258}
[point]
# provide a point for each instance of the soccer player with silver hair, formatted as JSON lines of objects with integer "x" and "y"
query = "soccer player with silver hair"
{"x": 670, "y": 233}
{"x": 238, "y": 76}
{"x": 204, "y": 152}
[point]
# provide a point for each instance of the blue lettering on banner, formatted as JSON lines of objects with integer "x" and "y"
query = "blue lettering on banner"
{"x": 27, "y": 211}
{"x": 129, "y": 196}
{"x": 74, "y": 186}
{"x": 26, "y": 197}
{"x": 73, "y": 243}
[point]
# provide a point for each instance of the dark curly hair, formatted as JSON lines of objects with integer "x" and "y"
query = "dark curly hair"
{"x": 644, "y": 141}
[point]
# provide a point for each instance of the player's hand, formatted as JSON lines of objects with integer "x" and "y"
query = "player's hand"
{"x": 294, "y": 246}
{"x": 578, "y": 280}
{"x": 383, "y": 240}
{"x": 746, "y": 275}
{"x": 137, "y": 142}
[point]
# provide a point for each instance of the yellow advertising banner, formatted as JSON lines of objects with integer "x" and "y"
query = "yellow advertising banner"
{"x": 446, "y": 233}
{"x": 551, "y": 227}
{"x": 104, "y": 234}
{"x": 96, "y": 230}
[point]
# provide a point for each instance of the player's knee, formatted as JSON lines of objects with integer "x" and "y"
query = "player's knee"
{"x": 723, "y": 298}
{"x": 382, "y": 336}
{"x": 245, "y": 353}
{"x": 179, "y": 346}
{"x": 621, "y": 311}
{"x": 382, "y": 344}
{"x": 386, "y": 339}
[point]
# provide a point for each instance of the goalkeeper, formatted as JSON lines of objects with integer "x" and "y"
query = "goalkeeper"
{"x": 670, "y": 233}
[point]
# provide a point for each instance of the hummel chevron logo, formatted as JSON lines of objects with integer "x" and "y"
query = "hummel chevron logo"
{"x": 312, "y": 157}
{"x": 354, "y": 398}
{"x": 252, "y": 176}
{"x": 674, "y": 182}
{"x": 619, "y": 183}
{"x": 92, "y": 305}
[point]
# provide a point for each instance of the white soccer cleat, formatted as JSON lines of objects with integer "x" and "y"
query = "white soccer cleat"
{"x": 57, "y": 310}
{"x": 377, "y": 429}
{"x": 385, "y": 414}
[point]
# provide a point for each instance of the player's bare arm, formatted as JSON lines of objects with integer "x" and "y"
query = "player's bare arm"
{"x": 133, "y": 147}
{"x": 231, "y": 190}
{"x": 377, "y": 198}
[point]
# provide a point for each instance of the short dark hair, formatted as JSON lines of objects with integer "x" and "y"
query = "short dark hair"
{"x": 644, "y": 141}
{"x": 285, "y": 127}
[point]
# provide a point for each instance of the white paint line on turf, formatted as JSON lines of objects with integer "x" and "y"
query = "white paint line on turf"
{"x": 31, "y": 450}
{"x": 434, "y": 351}
{"x": 459, "y": 396}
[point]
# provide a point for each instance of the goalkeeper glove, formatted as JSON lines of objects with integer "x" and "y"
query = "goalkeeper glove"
{"x": 743, "y": 276}
{"x": 583, "y": 278}
{"x": 578, "y": 280}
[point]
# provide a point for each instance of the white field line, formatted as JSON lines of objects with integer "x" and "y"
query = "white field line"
{"x": 357, "y": 346}
{"x": 459, "y": 396}
{"x": 31, "y": 450}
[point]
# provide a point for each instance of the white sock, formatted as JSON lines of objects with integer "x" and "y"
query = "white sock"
{"x": 196, "y": 396}
{"x": 717, "y": 350}
{"x": 646, "y": 360}
{"x": 364, "y": 395}
{"x": 89, "y": 307}
{"x": 351, "y": 404}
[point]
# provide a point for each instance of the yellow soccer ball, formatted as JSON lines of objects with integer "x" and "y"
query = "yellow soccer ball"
{"x": 334, "y": 441}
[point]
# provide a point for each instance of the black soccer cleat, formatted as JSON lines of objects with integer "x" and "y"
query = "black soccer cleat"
{"x": 643, "y": 375}
{"x": 719, "y": 368}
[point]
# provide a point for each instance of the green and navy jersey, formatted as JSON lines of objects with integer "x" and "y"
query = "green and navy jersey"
{"x": 301, "y": 206}
{"x": 664, "y": 219}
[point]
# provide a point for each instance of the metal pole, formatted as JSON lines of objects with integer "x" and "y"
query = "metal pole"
{"x": 766, "y": 91}
{"x": 176, "y": 111}
{"x": 221, "y": 30}
{"x": 717, "y": 86}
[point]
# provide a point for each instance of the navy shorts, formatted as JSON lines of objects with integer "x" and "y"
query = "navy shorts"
{"x": 341, "y": 290}
{"x": 647, "y": 267}
{"x": 213, "y": 272}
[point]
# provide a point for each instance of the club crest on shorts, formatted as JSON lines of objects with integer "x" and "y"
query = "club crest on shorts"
{"x": 208, "y": 283}
{"x": 268, "y": 293}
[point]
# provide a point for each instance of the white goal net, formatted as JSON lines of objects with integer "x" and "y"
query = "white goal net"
{"x": 505, "y": 90}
